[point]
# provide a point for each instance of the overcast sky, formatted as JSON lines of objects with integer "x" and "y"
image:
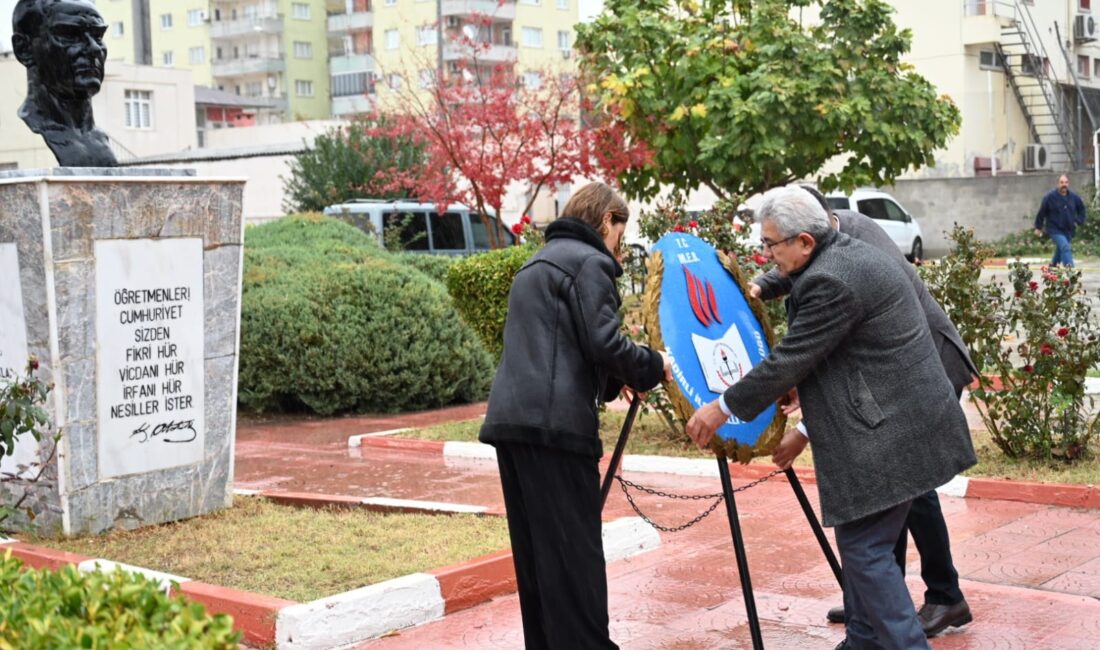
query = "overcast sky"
{"x": 589, "y": 8}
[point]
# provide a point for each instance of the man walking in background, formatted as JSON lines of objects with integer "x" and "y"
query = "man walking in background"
{"x": 1059, "y": 215}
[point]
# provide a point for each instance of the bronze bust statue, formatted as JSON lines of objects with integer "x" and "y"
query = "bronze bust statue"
{"x": 60, "y": 42}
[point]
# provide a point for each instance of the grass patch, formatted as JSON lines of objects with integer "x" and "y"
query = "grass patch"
{"x": 650, "y": 436}
{"x": 297, "y": 553}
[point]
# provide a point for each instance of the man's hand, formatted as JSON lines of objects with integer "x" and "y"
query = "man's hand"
{"x": 668, "y": 364}
{"x": 789, "y": 448}
{"x": 705, "y": 422}
{"x": 754, "y": 290}
{"x": 1038, "y": 233}
{"x": 789, "y": 403}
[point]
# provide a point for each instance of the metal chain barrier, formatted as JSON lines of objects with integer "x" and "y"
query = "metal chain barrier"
{"x": 718, "y": 498}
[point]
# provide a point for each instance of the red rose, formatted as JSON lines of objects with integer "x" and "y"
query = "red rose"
{"x": 518, "y": 228}
{"x": 693, "y": 224}
{"x": 1033, "y": 285}
{"x": 1046, "y": 349}
{"x": 1029, "y": 368}
{"x": 33, "y": 363}
{"x": 1062, "y": 332}
{"x": 760, "y": 259}
{"x": 677, "y": 228}
{"x": 525, "y": 220}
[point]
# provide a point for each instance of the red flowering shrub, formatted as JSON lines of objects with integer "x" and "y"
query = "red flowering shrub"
{"x": 1039, "y": 337}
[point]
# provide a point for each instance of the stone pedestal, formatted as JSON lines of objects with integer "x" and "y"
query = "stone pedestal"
{"x": 125, "y": 284}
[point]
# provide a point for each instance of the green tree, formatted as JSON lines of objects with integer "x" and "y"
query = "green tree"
{"x": 746, "y": 95}
{"x": 355, "y": 161}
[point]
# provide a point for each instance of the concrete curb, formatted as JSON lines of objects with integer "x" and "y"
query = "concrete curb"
{"x": 363, "y": 613}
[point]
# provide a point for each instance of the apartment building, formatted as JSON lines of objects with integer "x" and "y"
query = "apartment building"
{"x": 377, "y": 46}
{"x": 1025, "y": 75}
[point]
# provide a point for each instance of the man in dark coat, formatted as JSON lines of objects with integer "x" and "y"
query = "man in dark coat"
{"x": 1059, "y": 214}
{"x": 887, "y": 426}
{"x": 944, "y": 605}
{"x": 563, "y": 354}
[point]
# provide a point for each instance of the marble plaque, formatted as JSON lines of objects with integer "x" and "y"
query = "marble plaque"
{"x": 150, "y": 332}
{"x": 13, "y": 346}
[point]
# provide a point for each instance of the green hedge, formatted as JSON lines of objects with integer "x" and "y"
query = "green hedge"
{"x": 41, "y": 608}
{"x": 434, "y": 266}
{"x": 331, "y": 325}
{"x": 479, "y": 285}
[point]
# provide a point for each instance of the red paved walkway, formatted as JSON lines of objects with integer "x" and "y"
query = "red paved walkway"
{"x": 1032, "y": 573}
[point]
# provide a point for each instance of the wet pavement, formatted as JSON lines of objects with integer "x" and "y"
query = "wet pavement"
{"x": 1031, "y": 572}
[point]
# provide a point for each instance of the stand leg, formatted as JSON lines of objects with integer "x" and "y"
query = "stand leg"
{"x": 739, "y": 552}
{"x": 617, "y": 456}
{"x": 811, "y": 517}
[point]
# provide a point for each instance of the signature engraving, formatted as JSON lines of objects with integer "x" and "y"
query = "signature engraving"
{"x": 172, "y": 431}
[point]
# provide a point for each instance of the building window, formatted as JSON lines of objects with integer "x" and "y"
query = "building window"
{"x": 563, "y": 41}
{"x": 426, "y": 35}
{"x": 532, "y": 37}
{"x": 394, "y": 81}
{"x": 531, "y": 2}
{"x": 563, "y": 5}
{"x": 166, "y": 21}
{"x": 427, "y": 78}
{"x": 168, "y": 58}
{"x": 390, "y": 3}
{"x": 254, "y": 89}
{"x": 532, "y": 80}
{"x": 197, "y": 55}
{"x": 139, "y": 109}
{"x": 1084, "y": 66}
{"x": 393, "y": 39}
{"x": 303, "y": 88}
{"x": 299, "y": 10}
{"x": 352, "y": 83}
{"x": 118, "y": 29}
{"x": 303, "y": 50}
{"x": 988, "y": 60}
{"x": 196, "y": 17}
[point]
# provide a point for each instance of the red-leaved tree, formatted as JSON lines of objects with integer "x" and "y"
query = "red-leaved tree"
{"x": 484, "y": 131}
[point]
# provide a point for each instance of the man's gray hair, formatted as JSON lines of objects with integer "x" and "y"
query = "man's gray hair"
{"x": 793, "y": 210}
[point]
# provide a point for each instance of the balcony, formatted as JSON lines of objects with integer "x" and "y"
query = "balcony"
{"x": 262, "y": 64}
{"x": 983, "y": 19}
{"x": 352, "y": 104}
{"x": 246, "y": 27}
{"x": 343, "y": 24}
{"x": 484, "y": 54}
{"x": 491, "y": 8}
{"x": 351, "y": 63}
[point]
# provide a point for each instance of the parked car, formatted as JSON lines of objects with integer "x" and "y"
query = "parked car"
{"x": 458, "y": 231}
{"x": 888, "y": 213}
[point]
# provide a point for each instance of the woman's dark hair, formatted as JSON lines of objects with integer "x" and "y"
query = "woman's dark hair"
{"x": 592, "y": 202}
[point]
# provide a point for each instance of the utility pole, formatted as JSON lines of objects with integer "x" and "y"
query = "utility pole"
{"x": 439, "y": 41}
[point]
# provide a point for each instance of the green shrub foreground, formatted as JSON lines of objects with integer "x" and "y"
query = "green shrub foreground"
{"x": 333, "y": 323}
{"x": 479, "y": 285}
{"x": 42, "y": 608}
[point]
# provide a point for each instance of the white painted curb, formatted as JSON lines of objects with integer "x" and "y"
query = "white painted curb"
{"x": 165, "y": 580}
{"x": 7, "y": 540}
{"x": 956, "y": 487}
{"x": 243, "y": 492}
{"x": 360, "y": 614}
{"x": 469, "y": 451}
{"x": 627, "y": 537}
{"x": 434, "y": 506}
{"x": 670, "y": 465}
{"x": 357, "y": 441}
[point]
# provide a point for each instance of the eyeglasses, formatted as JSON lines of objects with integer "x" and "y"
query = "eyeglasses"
{"x": 772, "y": 244}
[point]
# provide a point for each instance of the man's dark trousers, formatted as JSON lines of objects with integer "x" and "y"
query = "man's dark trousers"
{"x": 925, "y": 522}
{"x": 877, "y": 603}
{"x": 553, "y": 503}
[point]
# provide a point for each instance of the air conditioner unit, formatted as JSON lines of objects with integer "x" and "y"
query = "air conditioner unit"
{"x": 453, "y": 22}
{"x": 1036, "y": 157}
{"x": 1084, "y": 28}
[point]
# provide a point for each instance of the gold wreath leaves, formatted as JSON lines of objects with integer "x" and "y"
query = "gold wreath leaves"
{"x": 651, "y": 302}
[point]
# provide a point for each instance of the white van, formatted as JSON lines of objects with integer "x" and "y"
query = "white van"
{"x": 458, "y": 231}
{"x": 888, "y": 213}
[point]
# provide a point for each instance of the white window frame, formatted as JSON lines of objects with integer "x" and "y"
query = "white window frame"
{"x": 427, "y": 78}
{"x": 531, "y": 32}
{"x": 168, "y": 59}
{"x": 165, "y": 22}
{"x": 191, "y": 52}
{"x": 389, "y": 3}
{"x": 426, "y": 35}
{"x": 530, "y": 2}
{"x": 303, "y": 88}
{"x": 300, "y": 11}
{"x": 303, "y": 50}
{"x": 138, "y": 105}
{"x": 392, "y": 39}
{"x": 568, "y": 44}
{"x": 195, "y": 17}
{"x": 563, "y": 5}
{"x": 118, "y": 30}
{"x": 393, "y": 80}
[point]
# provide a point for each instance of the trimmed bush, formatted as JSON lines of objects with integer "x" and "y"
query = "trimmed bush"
{"x": 41, "y": 608}
{"x": 479, "y": 285}
{"x": 308, "y": 229}
{"x": 333, "y": 326}
{"x": 433, "y": 266}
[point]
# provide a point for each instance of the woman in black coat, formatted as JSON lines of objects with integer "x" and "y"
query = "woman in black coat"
{"x": 563, "y": 354}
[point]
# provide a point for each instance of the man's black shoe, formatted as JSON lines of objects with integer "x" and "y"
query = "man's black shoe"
{"x": 843, "y": 645}
{"x": 836, "y": 615}
{"x": 937, "y": 618}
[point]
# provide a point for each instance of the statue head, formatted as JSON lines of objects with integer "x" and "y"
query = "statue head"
{"x": 61, "y": 43}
